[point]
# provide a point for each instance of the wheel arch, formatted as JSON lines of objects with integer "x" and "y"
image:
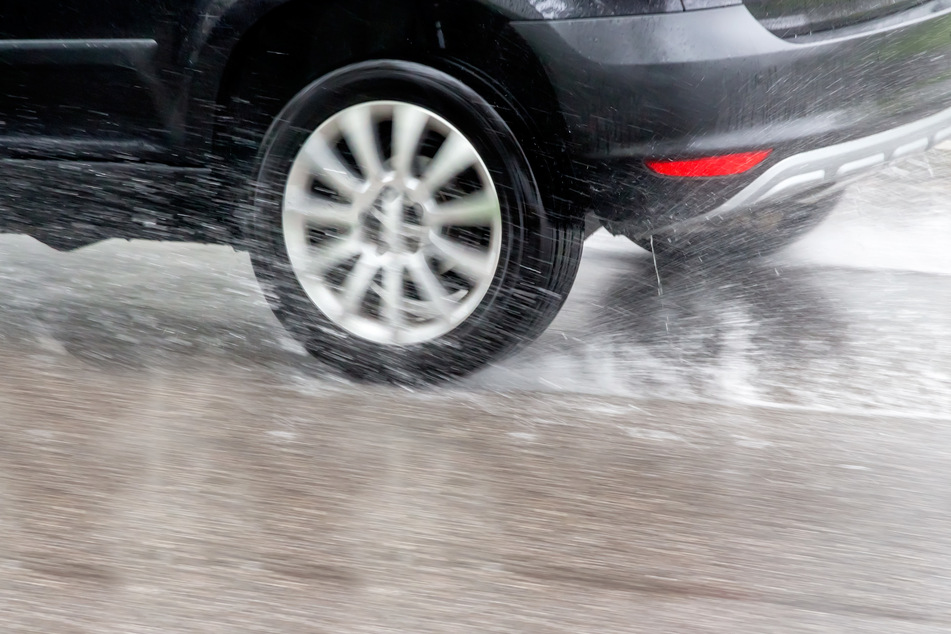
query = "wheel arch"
{"x": 295, "y": 42}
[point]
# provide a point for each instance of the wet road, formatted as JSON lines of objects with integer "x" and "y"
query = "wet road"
{"x": 760, "y": 448}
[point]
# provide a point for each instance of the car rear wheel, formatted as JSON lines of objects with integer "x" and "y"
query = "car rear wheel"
{"x": 398, "y": 230}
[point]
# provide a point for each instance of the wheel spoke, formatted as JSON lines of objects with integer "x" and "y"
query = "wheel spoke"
{"x": 392, "y": 296}
{"x": 429, "y": 286}
{"x": 477, "y": 209}
{"x": 319, "y": 211}
{"x": 467, "y": 261}
{"x": 454, "y": 156}
{"x": 357, "y": 284}
{"x": 359, "y": 130}
{"x": 330, "y": 169}
{"x": 409, "y": 123}
{"x": 321, "y": 259}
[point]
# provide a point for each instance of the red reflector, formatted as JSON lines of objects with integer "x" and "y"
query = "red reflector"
{"x": 724, "y": 165}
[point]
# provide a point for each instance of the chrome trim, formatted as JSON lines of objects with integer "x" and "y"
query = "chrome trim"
{"x": 829, "y": 164}
{"x": 832, "y": 163}
{"x": 808, "y": 171}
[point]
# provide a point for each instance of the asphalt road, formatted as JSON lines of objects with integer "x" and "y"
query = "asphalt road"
{"x": 757, "y": 448}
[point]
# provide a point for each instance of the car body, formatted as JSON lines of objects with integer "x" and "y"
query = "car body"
{"x": 718, "y": 81}
{"x": 660, "y": 118}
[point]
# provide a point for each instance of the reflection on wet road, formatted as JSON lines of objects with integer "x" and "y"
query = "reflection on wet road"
{"x": 760, "y": 448}
{"x": 855, "y": 317}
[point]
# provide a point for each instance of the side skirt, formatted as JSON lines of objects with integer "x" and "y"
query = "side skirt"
{"x": 70, "y": 204}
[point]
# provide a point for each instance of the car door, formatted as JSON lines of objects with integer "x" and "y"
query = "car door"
{"x": 90, "y": 79}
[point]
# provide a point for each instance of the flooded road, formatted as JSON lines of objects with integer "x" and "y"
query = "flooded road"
{"x": 762, "y": 447}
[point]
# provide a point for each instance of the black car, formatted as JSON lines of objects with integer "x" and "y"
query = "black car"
{"x": 412, "y": 178}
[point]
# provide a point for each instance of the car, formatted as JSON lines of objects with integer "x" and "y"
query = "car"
{"x": 414, "y": 179}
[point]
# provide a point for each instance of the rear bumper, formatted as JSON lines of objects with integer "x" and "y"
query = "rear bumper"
{"x": 804, "y": 176}
{"x": 715, "y": 82}
{"x": 825, "y": 166}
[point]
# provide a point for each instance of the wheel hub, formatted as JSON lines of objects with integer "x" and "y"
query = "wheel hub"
{"x": 396, "y": 222}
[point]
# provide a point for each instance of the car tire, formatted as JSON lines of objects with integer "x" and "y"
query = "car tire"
{"x": 756, "y": 233}
{"x": 397, "y": 229}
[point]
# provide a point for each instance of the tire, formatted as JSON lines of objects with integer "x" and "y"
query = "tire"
{"x": 341, "y": 243}
{"x": 744, "y": 236}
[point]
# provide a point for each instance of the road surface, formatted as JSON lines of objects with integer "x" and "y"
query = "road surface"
{"x": 744, "y": 449}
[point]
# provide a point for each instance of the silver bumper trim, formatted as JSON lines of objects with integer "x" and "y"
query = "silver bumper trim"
{"x": 830, "y": 164}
